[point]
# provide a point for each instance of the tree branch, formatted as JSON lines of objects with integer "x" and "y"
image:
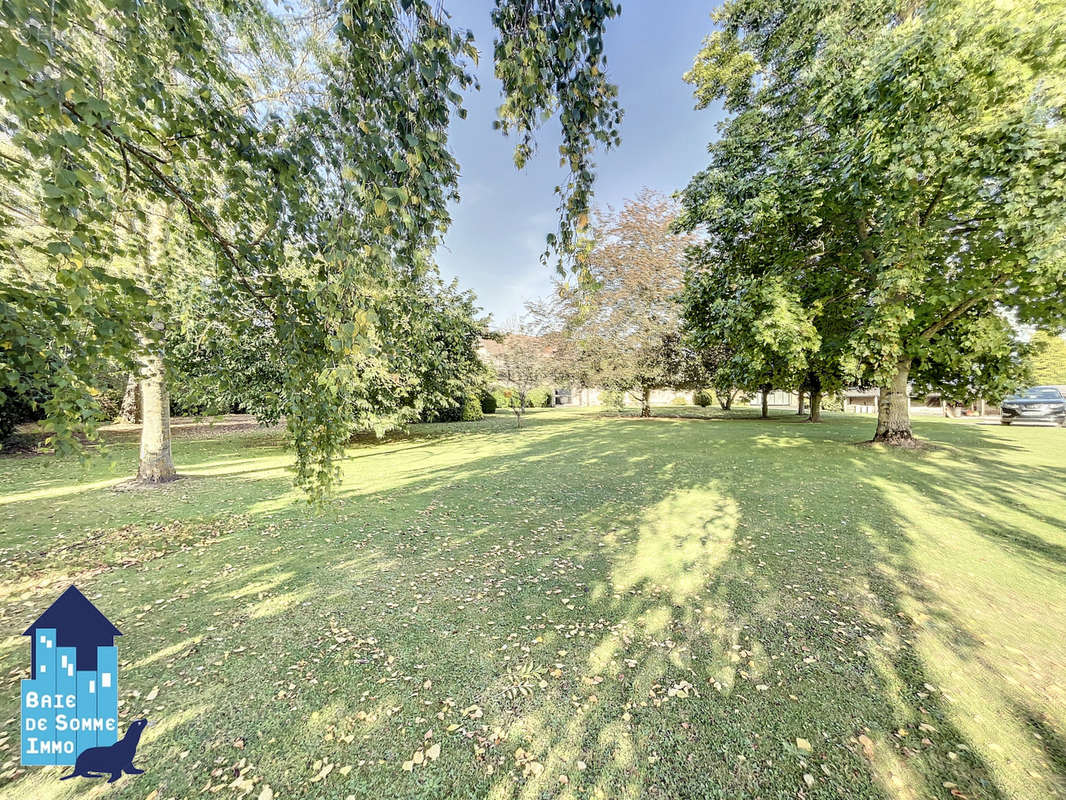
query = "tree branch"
{"x": 959, "y": 310}
{"x": 151, "y": 161}
{"x": 932, "y": 203}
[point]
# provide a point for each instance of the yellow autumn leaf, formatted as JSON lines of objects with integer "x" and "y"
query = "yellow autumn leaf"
{"x": 433, "y": 752}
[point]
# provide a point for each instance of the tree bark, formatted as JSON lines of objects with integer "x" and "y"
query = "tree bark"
{"x": 816, "y": 406}
{"x": 765, "y": 402}
{"x": 127, "y": 412}
{"x": 726, "y": 403}
{"x": 893, "y": 409}
{"x": 156, "y": 464}
{"x": 645, "y": 402}
{"x": 799, "y": 408}
{"x": 521, "y": 409}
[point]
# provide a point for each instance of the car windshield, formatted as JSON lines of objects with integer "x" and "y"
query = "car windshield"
{"x": 1040, "y": 393}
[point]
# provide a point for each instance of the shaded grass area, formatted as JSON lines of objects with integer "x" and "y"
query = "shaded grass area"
{"x": 593, "y": 606}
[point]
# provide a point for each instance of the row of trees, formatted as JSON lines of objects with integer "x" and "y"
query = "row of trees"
{"x": 887, "y": 200}
{"x": 648, "y": 312}
{"x": 887, "y": 192}
{"x": 885, "y": 206}
{"x": 628, "y": 322}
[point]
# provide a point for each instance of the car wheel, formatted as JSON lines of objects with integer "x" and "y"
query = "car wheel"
{"x": 1004, "y": 422}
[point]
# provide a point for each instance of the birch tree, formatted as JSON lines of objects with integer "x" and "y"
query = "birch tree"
{"x": 312, "y": 164}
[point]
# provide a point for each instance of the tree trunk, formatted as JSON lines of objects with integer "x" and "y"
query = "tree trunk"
{"x": 799, "y": 408}
{"x": 893, "y": 409}
{"x": 156, "y": 464}
{"x": 816, "y": 406}
{"x": 127, "y": 412}
{"x": 725, "y": 399}
{"x": 765, "y": 402}
{"x": 645, "y": 402}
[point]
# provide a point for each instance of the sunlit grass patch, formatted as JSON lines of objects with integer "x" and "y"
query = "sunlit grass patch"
{"x": 591, "y": 606}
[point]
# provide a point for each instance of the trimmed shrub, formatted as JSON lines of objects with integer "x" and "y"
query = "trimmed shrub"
{"x": 488, "y": 402}
{"x": 702, "y": 398}
{"x": 466, "y": 409}
{"x": 471, "y": 410}
{"x": 537, "y": 397}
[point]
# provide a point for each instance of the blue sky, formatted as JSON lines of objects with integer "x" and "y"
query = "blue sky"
{"x": 500, "y": 224}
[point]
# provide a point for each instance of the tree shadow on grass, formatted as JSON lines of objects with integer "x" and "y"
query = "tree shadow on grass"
{"x": 684, "y": 620}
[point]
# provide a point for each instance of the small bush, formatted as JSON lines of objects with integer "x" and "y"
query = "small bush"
{"x": 488, "y": 402}
{"x": 14, "y": 410}
{"x": 833, "y": 402}
{"x": 471, "y": 410}
{"x": 539, "y": 397}
{"x": 465, "y": 409}
{"x": 702, "y": 398}
{"x": 613, "y": 400}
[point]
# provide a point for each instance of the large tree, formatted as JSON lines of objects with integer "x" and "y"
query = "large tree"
{"x": 900, "y": 158}
{"x": 307, "y": 152}
{"x": 1048, "y": 358}
{"x": 616, "y": 323}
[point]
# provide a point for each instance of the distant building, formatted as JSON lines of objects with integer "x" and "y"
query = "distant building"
{"x": 489, "y": 351}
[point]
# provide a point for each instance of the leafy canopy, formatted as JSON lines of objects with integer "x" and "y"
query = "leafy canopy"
{"x": 306, "y": 152}
{"x": 897, "y": 165}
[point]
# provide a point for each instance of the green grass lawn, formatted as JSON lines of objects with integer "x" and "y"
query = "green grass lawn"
{"x": 591, "y": 607}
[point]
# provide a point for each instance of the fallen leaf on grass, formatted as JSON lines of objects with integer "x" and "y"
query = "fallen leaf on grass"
{"x": 474, "y": 712}
{"x": 322, "y": 773}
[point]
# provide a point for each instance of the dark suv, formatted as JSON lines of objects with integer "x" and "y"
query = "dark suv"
{"x": 1039, "y": 404}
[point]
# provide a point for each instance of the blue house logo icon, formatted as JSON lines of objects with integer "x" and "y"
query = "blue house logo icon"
{"x": 71, "y": 701}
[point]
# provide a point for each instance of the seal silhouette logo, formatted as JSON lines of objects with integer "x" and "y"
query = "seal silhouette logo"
{"x": 70, "y": 700}
{"x": 114, "y": 759}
